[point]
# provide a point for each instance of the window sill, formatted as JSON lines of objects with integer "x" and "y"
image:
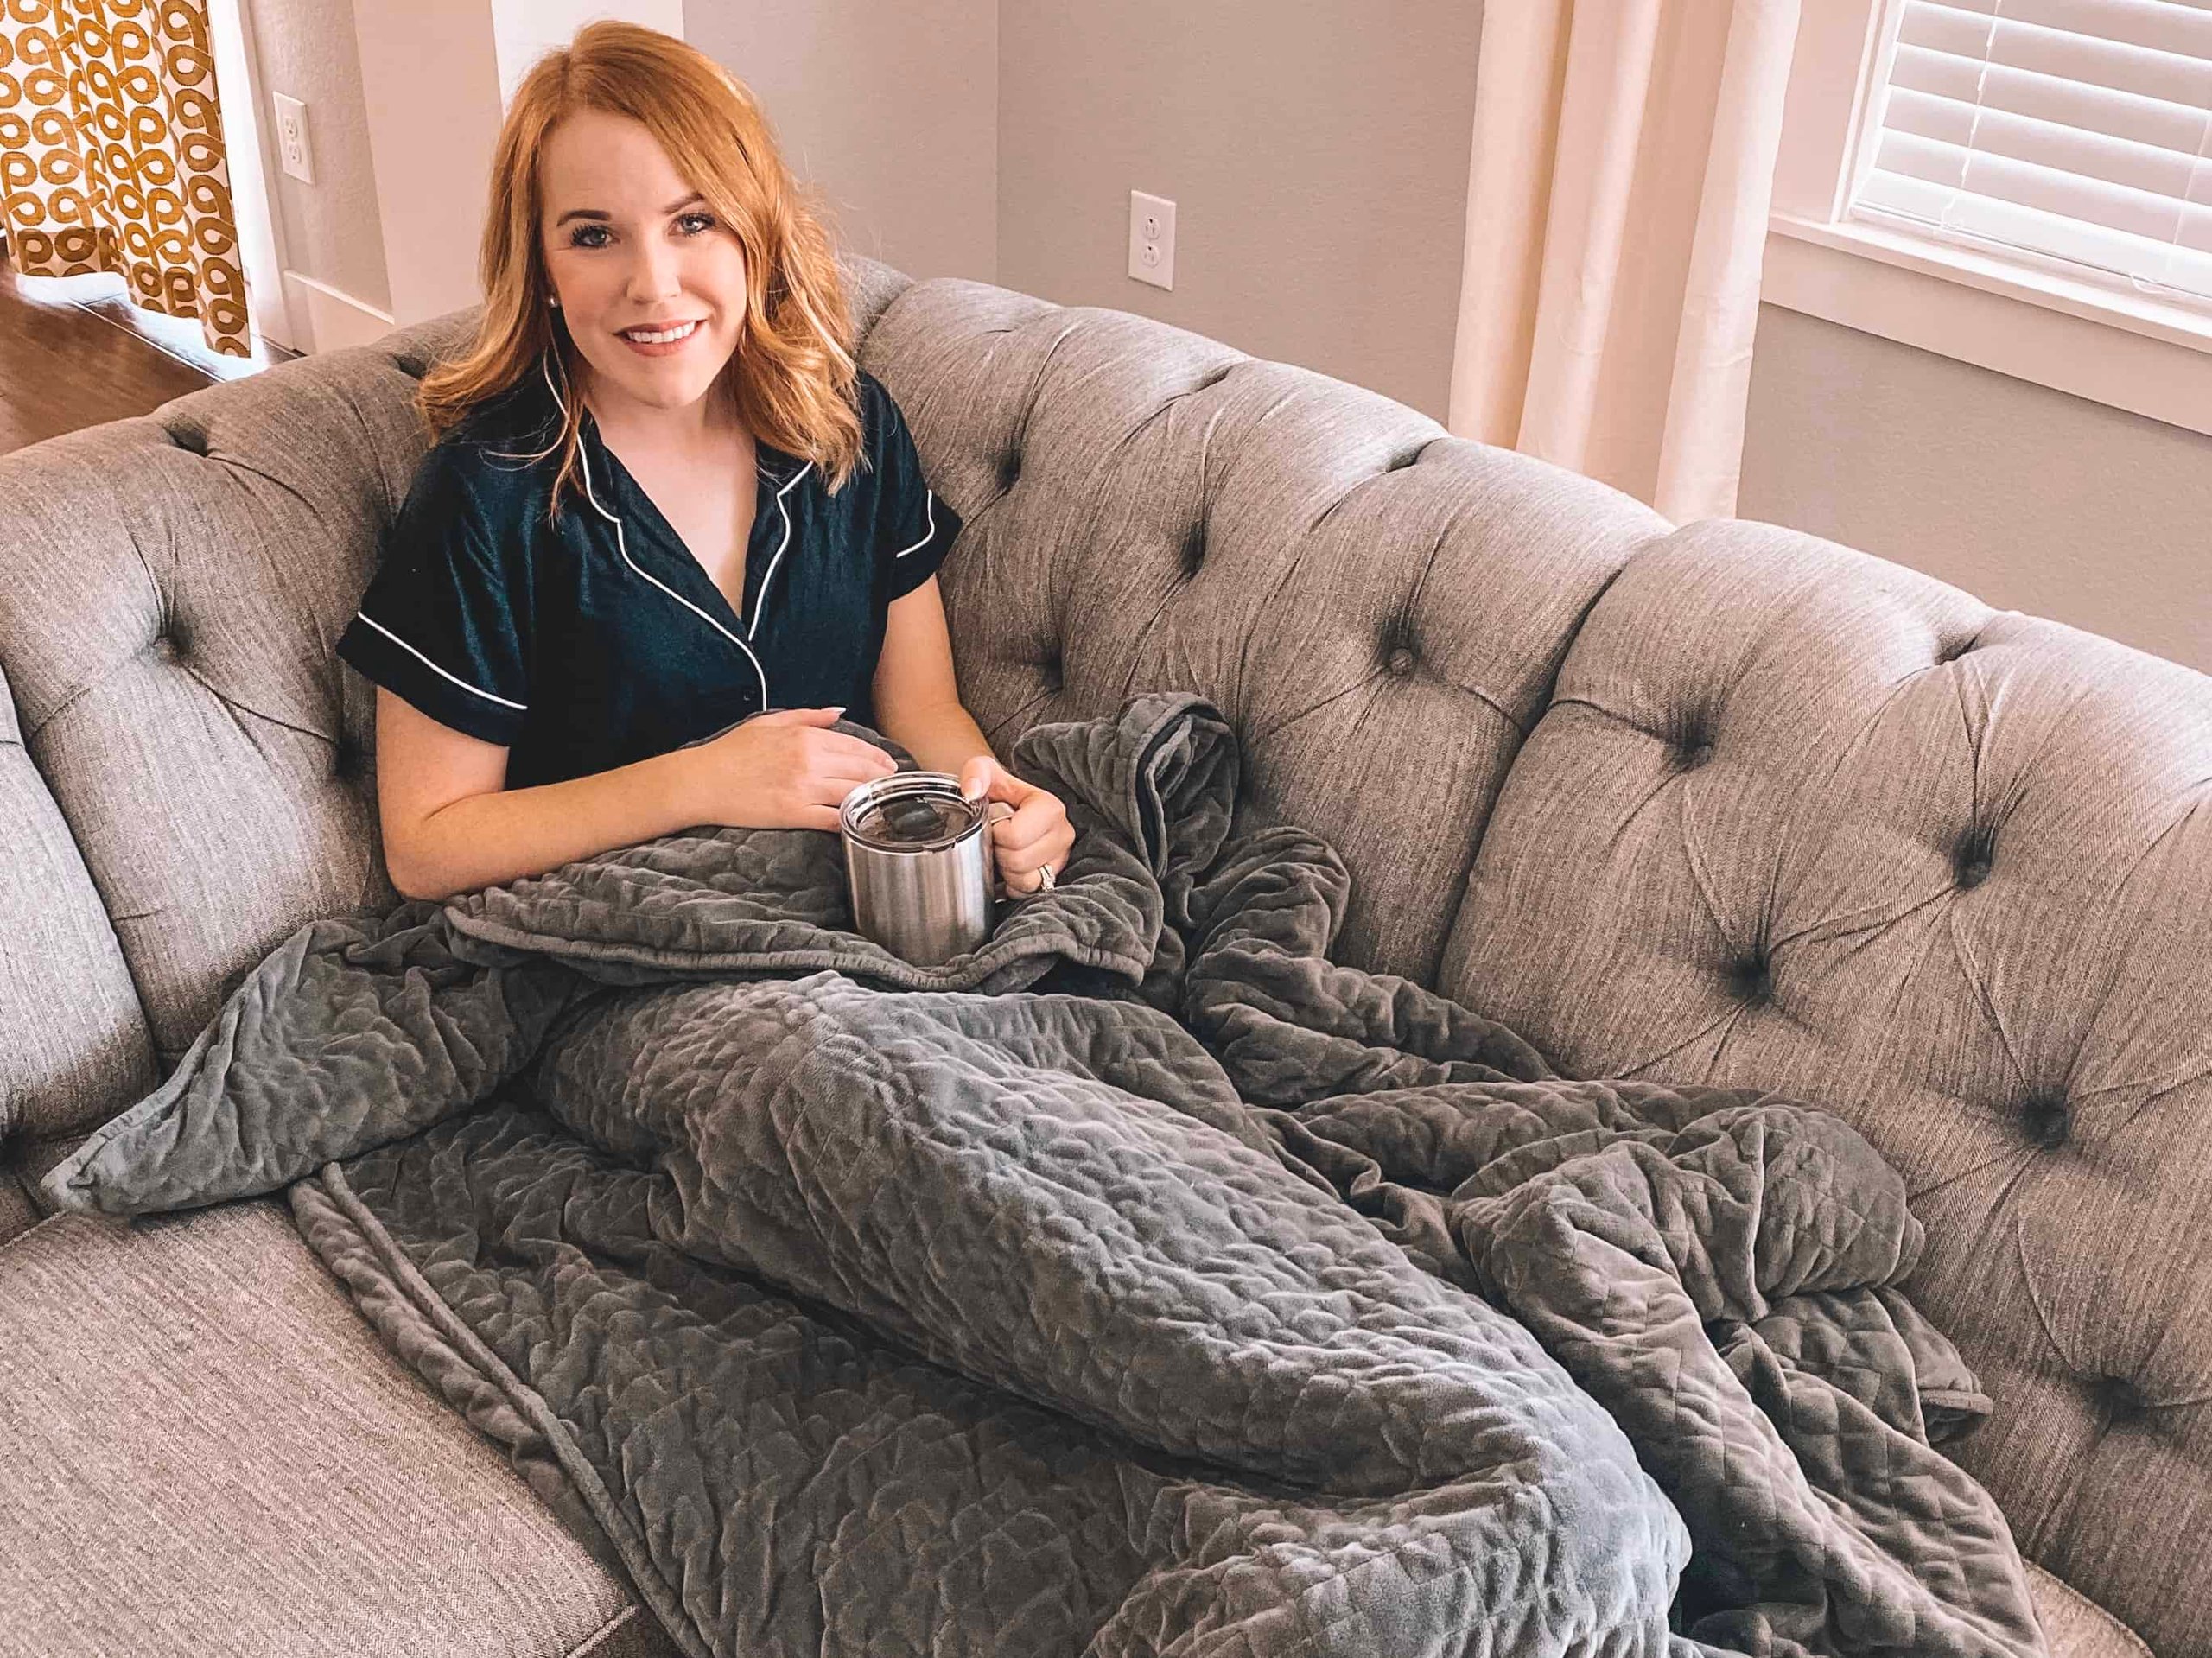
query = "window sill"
{"x": 2111, "y": 347}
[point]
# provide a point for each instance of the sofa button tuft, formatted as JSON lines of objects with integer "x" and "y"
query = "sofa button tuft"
{"x": 1194, "y": 549}
{"x": 1974, "y": 856}
{"x": 2118, "y": 1400}
{"x": 1956, "y": 648}
{"x": 1010, "y": 469}
{"x": 1752, "y": 977}
{"x": 2047, "y": 1120}
{"x": 1400, "y": 663}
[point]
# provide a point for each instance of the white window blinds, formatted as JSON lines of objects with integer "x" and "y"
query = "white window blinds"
{"x": 2072, "y": 130}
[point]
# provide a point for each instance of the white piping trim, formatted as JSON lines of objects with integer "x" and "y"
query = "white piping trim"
{"x": 519, "y": 707}
{"x": 622, "y": 545}
{"x": 761, "y": 598}
{"x": 927, "y": 535}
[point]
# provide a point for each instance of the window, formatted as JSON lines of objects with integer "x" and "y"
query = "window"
{"x": 2023, "y": 184}
{"x": 2076, "y": 132}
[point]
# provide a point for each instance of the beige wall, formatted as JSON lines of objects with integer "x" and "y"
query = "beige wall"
{"x": 526, "y": 30}
{"x": 891, "y": 110}
{"x": 329, "y": 229}
{"x": 1316, "y": 151}
{"x": 2027, "y": 497}
{"x": 431, "y": 72}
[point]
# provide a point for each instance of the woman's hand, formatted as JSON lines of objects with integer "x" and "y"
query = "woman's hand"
{"x": 1035, "y": 835}
{"x": 784, "y": 770}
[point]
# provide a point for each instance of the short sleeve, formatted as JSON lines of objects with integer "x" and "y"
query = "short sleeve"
{"x": 438, "y": 625}
{"x": 914, "y": 526}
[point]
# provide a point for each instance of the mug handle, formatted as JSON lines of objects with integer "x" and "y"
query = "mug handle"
{"x": 998, "y": 809}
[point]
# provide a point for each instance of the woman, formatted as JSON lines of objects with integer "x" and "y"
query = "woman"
{"x": 670, "y": 530}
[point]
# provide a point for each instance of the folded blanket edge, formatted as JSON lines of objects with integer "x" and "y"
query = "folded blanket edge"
{"x": 406, "y": 1280}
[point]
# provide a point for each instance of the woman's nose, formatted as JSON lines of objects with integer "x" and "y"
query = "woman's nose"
{"x": 653, "y": 272}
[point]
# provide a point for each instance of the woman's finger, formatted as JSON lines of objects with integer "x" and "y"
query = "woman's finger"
{"x": 1051, "y": 847}
{"x": 1015, "y": 791}
{"x": 847, "y": 774}
{"x": 1033, "y": 820}
{"x": 834, "y": 747}
{"x": 1039, "y": 857}
{"x": 861, "y": 768}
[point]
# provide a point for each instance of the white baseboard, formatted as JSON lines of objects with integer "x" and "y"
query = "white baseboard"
{"x": 331, "y": 319}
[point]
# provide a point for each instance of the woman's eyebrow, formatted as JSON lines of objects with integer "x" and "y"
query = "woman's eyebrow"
{"x": 594, "y": 213}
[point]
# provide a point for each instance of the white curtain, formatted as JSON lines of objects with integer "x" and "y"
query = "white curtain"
{"x": 1616, "y": 207}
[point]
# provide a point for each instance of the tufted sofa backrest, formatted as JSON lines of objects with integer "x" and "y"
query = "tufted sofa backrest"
{"x": 186, "y": 780}
{"x": 1377, "y": 607}
{"x": 1718, "y": 802}
{"x": 1773, "y": 813}
{"x": 1800, "y": 819}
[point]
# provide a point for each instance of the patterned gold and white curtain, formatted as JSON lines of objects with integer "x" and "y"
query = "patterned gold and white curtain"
{"x": 111, "y": 155}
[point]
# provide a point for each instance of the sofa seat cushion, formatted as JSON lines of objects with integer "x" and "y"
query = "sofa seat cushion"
{"x": 203, "y": 1448}
{"x": 2074, "y": 1626}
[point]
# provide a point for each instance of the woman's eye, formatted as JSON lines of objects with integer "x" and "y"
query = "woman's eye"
{"x": 692, "y": 224}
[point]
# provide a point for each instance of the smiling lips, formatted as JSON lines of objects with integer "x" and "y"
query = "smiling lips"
{"x": 660, "y": 342}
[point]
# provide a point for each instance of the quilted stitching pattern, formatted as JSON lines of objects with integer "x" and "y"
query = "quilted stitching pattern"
{"x": 769, "y": 1265}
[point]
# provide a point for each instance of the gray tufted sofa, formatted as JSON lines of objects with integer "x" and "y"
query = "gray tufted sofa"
{"x": 1718, "y": 802}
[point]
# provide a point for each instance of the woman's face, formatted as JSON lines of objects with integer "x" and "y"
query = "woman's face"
{"x": 632, "y": 247}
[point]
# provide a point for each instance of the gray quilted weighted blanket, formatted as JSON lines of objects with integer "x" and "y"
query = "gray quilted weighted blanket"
{"x": 1141, "y": 1284}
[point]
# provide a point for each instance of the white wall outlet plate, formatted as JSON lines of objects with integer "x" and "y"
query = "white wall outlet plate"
{"x": 292, "y": 137}
{"x": 1152, "y": 239}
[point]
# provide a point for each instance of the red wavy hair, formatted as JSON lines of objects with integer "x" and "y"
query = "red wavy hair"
{"x": 797, "y": 388}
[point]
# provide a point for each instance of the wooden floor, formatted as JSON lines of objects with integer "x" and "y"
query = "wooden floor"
{"x": 68, "y": 363}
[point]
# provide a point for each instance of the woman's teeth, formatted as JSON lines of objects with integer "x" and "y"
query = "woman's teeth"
{"x": 648, "y": 337}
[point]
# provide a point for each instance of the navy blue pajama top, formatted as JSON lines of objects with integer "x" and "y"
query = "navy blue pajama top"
{"x": 601, "y": 640}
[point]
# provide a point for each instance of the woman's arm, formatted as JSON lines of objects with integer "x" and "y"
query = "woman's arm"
{"x": 917, "y": 698}
{"x": 451, "y": 826}
{"x": 917, "y": 705}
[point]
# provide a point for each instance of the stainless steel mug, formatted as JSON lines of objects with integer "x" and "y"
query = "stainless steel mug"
{"x": 917, "y": 860}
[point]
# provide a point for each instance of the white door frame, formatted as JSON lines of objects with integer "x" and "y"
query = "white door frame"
{"x": 250, "y": 154}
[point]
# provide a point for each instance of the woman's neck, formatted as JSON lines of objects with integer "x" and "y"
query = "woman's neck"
{"x": 701, "y": 424}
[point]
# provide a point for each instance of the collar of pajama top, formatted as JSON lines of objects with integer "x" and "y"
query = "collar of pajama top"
{"x": 777, "y": 471}
{"x": 601, "y": 639}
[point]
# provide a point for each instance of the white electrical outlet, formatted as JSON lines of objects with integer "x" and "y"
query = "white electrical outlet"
{"x": 292, "y": 138}
{"x": 1152, "y": 239}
